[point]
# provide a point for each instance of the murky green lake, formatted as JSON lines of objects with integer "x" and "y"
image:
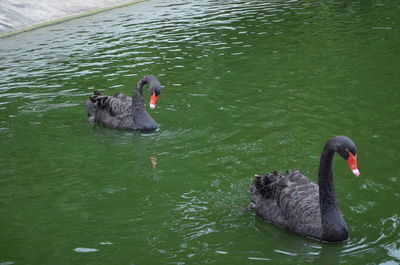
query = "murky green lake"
{"x": 249, "y": 87}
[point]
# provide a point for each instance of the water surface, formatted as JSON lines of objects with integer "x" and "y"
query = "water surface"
{"x": 249, "y": 87}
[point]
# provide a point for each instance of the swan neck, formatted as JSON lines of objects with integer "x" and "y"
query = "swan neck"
{"x": 325, "y": 180}
{"x": 137, "y": 99}
{"x": 334, "y": 227}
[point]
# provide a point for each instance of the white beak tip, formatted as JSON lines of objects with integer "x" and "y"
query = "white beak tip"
{"x": 356, "y": 172}
{"x": 152, "y": 106}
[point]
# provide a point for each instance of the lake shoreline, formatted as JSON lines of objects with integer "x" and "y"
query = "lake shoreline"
{"x": 18, "y": 19}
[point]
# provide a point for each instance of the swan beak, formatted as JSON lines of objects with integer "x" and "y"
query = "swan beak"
{"x": 352, "y": 161}
{"x": 153, "y": 100}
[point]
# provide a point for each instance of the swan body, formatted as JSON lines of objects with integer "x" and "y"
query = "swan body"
{"x": 293, "y": 202}
{"x": 123, "y": 112}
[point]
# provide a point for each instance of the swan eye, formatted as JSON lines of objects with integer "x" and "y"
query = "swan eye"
{"x": 155, "y": 91}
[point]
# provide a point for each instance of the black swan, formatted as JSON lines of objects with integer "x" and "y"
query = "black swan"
{"x": 298, "y": 205}
{"x": 123, "y": 112}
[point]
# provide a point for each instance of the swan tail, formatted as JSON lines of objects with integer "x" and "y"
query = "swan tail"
{"x": 91, "y": 106}
{"x": 265, "y": 192}
{"x": 94, "y": 97}
{"x": 96, "y": 102}
{"x": 103, "y": 102}
{"x": 267, "y": 186}
{"x": 99, "y": 100}
{"x": 113, "y": 108}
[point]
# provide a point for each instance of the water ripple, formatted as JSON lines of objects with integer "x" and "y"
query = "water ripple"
{"x": 250, "y": 86}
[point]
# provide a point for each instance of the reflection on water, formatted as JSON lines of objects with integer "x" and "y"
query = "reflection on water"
{"x": 153, "y": 161}
{"x": 252, "y": 86}
{"x": 85, "y": 250}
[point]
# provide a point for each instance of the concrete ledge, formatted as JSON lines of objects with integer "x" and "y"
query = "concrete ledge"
{"x": 22, "y": 15}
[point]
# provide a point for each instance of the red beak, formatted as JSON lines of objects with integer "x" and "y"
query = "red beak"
{"x": 352, "y": 161}
{"x": 153, "y": 100}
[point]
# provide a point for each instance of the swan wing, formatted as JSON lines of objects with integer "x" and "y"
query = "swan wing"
{"x": 118, "y": 105}
{"x": 113, "y": 111}
{"x": 290, "y": 201}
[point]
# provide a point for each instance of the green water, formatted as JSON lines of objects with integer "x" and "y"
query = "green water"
{"x": 249, "y": 87}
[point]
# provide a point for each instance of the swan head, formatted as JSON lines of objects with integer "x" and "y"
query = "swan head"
{"x": 155, "y": 92}
{"x": 347, "y": 149}
{"x": 154, "y": 88}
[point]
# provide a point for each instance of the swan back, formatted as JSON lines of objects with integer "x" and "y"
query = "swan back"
{"x": 116, "y": 111}
{"x": 289, "y": 201}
